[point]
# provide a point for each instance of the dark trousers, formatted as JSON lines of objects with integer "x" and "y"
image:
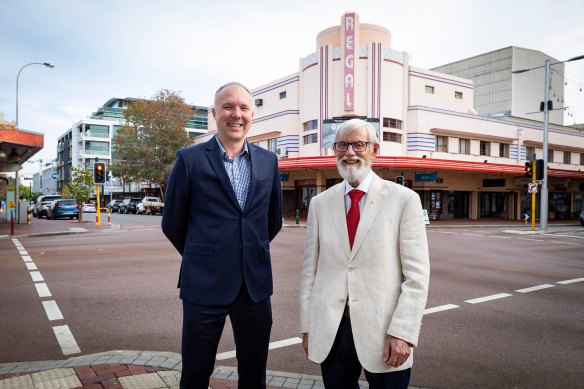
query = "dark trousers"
{"x": 341, "y": 368}
{"x": 202, "y": 328}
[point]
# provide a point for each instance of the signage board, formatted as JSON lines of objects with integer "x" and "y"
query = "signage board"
{"x": 429, "y": 177}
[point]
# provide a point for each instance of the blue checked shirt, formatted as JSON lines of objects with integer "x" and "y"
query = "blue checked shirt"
{"x": 239, "y": 172}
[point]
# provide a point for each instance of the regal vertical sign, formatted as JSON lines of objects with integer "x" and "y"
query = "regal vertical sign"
{"x": 349, "y": 60}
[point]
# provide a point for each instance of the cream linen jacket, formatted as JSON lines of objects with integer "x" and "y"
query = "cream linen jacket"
{"x": 385, "y": 275}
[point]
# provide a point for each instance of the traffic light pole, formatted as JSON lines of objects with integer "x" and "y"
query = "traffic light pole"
{"x": 544, "y": 187}
{"x": 97, "y": 208}
{"x": 533, "y": 176}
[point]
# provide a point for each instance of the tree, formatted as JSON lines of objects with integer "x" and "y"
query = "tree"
{"x": 147, "y": 143}
{"x": 80, "y": 187}
{"x": 24, "y": 192}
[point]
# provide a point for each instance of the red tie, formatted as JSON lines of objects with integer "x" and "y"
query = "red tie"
{"x": 353, "y": 215}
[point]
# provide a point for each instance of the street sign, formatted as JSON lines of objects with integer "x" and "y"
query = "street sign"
{"x": 532, "y": 188}
{"x": 425, "y": 215}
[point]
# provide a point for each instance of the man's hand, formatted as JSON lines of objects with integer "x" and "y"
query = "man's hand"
{"x": 395, "y": 351}
{"x": 305, "y": 343}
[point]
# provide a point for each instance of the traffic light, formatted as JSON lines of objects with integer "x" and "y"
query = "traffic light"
{"x": 400, "y": 180}
{"x": 529, "y": 169}
{"x": 99, "y": 173}
{"x": 539, "y": 169}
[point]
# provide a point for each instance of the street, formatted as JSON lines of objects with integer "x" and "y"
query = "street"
{"x": 504, "y": 310}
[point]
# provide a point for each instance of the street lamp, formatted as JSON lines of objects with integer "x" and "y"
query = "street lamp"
{"x": 16, "y": 174}
{"x": 546, "y": 111}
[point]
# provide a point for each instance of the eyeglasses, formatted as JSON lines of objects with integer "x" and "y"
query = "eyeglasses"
{"x": 358, "y": 146}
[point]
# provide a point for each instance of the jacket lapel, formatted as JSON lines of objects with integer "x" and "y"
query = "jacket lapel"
{"x": 376, "y": 199}
{"x": 337, "y": 210}
{"x": 255, "y": 165}
{"x": 214, "y": 156}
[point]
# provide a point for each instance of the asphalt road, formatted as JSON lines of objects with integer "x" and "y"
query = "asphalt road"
{"x": 503, "y": 310}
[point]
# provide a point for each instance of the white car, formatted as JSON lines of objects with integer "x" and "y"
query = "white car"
{"x": 89, "y": 207}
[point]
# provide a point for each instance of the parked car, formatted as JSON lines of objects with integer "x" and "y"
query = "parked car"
{"x": 150, "y": 206}
{"x": 582, "y": 218}
{"x": 114, "y": 205}
{"x": 40, "y": 207}
{"x": 63, "y": 208}
{"x": 128, "y": 205}
{"x": 89, "y": 207}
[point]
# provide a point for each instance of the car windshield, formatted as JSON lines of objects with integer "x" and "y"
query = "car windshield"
{"x": 67, "y": 202}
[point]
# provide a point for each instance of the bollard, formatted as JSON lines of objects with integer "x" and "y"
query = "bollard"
{"x": 109, "y": 223}
{"x": 28, "y": 215}
{"x": 297, "y": 216}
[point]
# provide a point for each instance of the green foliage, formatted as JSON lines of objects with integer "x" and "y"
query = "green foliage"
{"x": 80, "y": 187}
{"x": 24, "y": 192}
{"x": 148, "y": 141}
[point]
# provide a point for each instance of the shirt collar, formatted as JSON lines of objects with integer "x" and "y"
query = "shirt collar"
{"x": 363, "y": 186}
{"x": 224, "y": 152}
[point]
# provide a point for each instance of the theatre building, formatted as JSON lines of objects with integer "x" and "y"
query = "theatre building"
{"x": 462, "y": 164}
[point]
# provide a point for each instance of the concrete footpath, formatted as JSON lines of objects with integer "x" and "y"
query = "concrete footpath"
{"x": 151, "y": 370}
{"x": 128, "y": 370}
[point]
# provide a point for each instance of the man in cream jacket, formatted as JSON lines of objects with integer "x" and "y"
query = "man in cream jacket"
{"x": 366, "y": 270}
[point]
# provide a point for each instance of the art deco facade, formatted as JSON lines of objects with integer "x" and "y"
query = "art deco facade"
{"x": 462, "y": 164}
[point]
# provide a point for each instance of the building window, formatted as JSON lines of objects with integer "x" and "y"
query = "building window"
{"x": 550, "y": 155}
{"x": 567, "y": 157}
{"x": 581, "y": 158}
{"x": 485, "y": 148}
{"x": 504, "y": 150}
{"x": 273, "y": 144}
{"x": 392, "y": 137}
{"x": 312, "y": 138}
{"x": 282, "y": 95}
{"x": 429, "y": 89}
{"x": 464, "y": 146}
{"x": 530, "y": 153}
{"x": 392, "y": 123}
{"x": 458, "y": 95}
{"x": 442, "y": 143}
{"x": 310, "y": 125}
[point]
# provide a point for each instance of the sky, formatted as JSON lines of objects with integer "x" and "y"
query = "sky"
{"x": 133, "y": 48}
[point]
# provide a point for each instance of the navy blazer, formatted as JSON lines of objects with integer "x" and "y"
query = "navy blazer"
{"x": 221, "y": 244}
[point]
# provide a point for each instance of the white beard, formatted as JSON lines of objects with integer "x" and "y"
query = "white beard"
{"x": 354, "y": 175}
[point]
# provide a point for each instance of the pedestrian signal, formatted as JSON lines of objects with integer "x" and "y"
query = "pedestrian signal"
{"x": 99, "y": 173}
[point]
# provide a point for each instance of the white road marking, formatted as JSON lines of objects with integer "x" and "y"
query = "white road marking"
{"x": 36, "y": 276}
{"x": 534, "y": 288}
{"x": 273, "y": 345}
{"x": 570, "y": 281}
{"x": 555, "y": 241}
{"x": 31, "y": 266}
{"x": 66, "y": 340}
{"x": 43, "y": 290}
{"x": 26, "y": 258}
{"x": 533, "y": 240}
{"x": 22, "y": 252}
{"x": 500, "y": 237}
{"x": 488, "y": 298}
{"x": 146, "y": 229}
{"x": 473, "y": 234}
{"x": 52, "y": 310}
{"x": 447, "y": 232}
{"x": 440, "y": 308}
{"x": 569, "y": 236}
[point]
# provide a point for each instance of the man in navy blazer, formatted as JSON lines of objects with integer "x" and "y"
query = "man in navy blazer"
{"x": 223, "y": 206}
